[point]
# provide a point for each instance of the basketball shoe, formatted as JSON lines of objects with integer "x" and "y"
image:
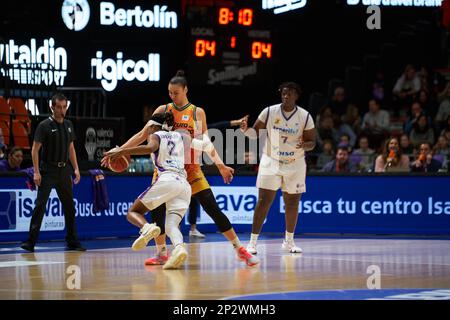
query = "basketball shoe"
{"x": 148, "y": 232}
{"x": 178, "y": 256}
{"x": 157, "y": 260}
{"x": 249, "y": 259}
{"x": 251, "y": 247}
{"x": 290, "y": 245}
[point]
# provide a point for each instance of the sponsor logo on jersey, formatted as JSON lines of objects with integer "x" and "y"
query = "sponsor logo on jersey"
{"x": 285, "y": 130}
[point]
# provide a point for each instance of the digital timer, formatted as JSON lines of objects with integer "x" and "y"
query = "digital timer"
{"x": 233, "y": 31}
{"x": 229, "y": 38}
{"x": 245, "y": 16}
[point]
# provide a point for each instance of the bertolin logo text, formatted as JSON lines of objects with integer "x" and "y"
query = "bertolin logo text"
{"x": 110, "y": 71}
{"x": 231, "y": 73}
{"x": 53, "y": 62}
{"x": 156, "y": 18}
{"x": 280, "y": 6}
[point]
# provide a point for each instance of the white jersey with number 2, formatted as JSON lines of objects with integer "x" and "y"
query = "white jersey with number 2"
{"x": 170, "y": 155}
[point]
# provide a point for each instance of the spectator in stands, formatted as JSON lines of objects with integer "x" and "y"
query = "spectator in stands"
{"x": 428, "y": 106}
{"x": 339, "y": 101}
{"x": 444, "y": 107}
{"x": 405, "y": 145}
{"x": 326, "y": 155}
{"x": 442, "y": 148}
{"x": 365, "y": 154}
{"x": 343, "y": 129}
{"x": 345, "y": 139}
{"x": 2, "y": 150}
{"x": 446, "y": 130}
{"x": 407, "y": 86}
{"x": 378, "y": 87}
{"x": 326, "y": 131}
{"x": 352, "y": 118}
{"x": 421, "y": 132}
{"x": 415, "y": 113}
{"x": 15, "y": 158}
{"x": 325, "y": 111}
{"x": 424, "y": 76}
{"x": 425, "y": 161}
{"x": 392, "y": 159}
{"x": 341, "y": 163}
{"x": 375, "y": 124}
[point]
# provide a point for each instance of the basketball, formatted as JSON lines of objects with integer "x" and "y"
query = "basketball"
{"x": 120, "y": 164}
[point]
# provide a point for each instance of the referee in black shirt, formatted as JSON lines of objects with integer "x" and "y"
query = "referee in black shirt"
{"x": 55, "y": 136}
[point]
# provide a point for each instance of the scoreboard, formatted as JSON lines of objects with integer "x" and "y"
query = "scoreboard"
{"x": 230, "y": 44}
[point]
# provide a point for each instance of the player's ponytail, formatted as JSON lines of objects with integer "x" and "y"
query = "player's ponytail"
{"x": 179, "y": 79}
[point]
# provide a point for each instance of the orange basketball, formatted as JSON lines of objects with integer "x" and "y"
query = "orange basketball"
{"x": 120, "y": 164}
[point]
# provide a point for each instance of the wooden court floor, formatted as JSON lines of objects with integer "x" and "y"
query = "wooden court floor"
{"x": 213, "y": 272}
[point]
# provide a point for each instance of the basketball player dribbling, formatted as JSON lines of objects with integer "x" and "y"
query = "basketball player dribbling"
{"x": 192, "y": 119}
{"x": 171, "y": 187}
{"x": 290, "y": 132}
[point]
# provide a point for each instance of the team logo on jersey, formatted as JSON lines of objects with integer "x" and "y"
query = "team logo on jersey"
{"x": 277, "y": 121}
{"x": 185, "y": 117}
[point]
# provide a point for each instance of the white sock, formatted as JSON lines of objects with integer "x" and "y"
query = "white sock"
{"x": 236, "y": 243}
{"x": 289, "y": 236}
{"x": 254, "y": 237}
{"x": 161, "y": 249}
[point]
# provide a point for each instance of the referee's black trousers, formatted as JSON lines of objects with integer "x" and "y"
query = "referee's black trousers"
{"x": 61, "y": 180}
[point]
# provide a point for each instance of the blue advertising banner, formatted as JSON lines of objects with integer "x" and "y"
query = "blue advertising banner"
{"x": 332, "y": 204}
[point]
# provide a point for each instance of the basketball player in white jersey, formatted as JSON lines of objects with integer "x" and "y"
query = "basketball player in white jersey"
{"x": 290, "y": 132}
{"x": 167, "y": 149}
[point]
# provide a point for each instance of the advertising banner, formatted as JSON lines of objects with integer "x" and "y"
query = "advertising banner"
{"x": 417, "y": 205}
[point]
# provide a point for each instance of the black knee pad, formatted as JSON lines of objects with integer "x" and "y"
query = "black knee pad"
{"x": 158, "y": 216}
{"x": 209, "y": 204}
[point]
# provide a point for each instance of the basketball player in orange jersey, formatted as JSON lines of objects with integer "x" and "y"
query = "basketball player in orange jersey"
{"x": 192, "y": 119}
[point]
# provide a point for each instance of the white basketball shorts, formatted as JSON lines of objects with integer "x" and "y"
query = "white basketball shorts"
{"x": 289, "y": 177}
{"x": 171, "y": 189}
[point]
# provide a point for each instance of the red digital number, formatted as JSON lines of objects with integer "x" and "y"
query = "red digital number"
{"x": 233, "y": 42}
{"x": 245, "y": 17}
{"x": 225, "y": 16}
{"x": 203, "y": 47}
{"x": 261, "y": 48}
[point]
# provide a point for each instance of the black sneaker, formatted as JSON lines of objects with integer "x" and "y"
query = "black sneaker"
{"x": 26, "y": 245}
{"x": 75, "y": 246}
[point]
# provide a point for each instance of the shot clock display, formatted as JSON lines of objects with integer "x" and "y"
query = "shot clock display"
{"x": 229, "y": 45}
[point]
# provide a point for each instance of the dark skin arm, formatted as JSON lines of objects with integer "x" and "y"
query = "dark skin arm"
{"x": 308, "y": 140}
{"x": 151, "y": 147}
{"x": 257, "y": 127}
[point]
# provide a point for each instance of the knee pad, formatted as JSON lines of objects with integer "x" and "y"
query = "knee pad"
{"x": 209, "y": 204}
